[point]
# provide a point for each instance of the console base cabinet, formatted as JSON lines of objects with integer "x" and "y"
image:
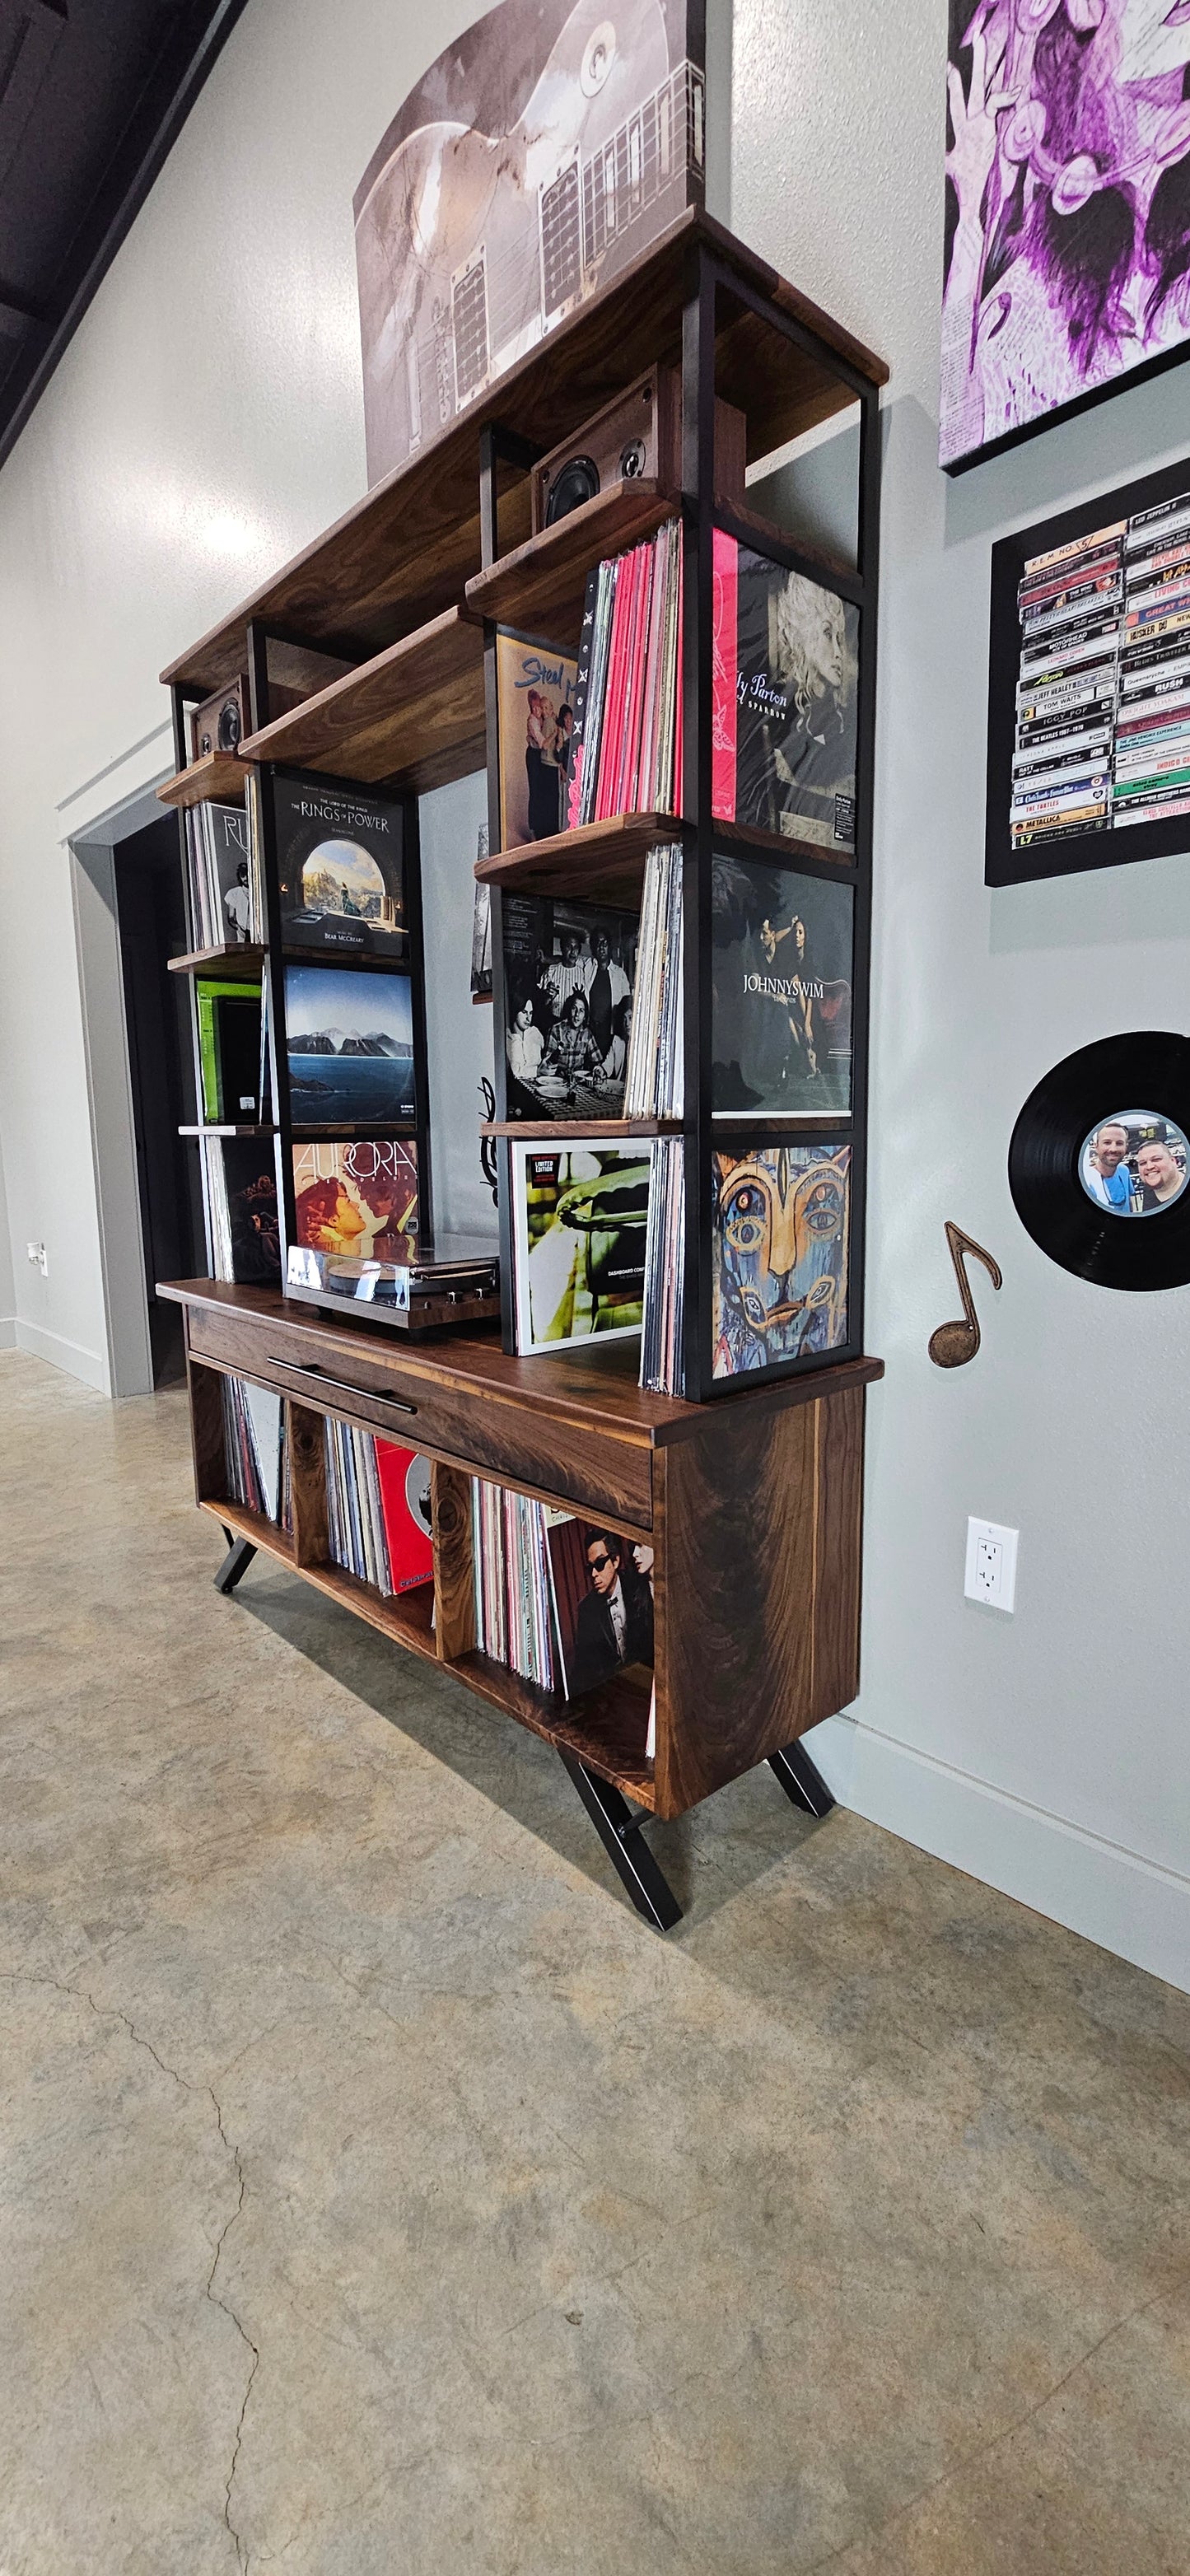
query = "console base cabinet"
{"x": 752, "y": 1510}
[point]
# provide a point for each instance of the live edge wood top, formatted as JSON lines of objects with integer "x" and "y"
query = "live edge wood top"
{"x": 405, "y": 551}
{"x": 595, "y": 1387}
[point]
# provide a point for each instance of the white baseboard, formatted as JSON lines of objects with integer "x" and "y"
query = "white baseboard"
{"x": 61, "y": 1354}
{"x": 8, "y": 1332}
{"x": 1129, "y": 1905}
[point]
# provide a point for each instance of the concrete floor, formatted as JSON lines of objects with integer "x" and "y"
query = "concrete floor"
{"x": 379, "y": 2197}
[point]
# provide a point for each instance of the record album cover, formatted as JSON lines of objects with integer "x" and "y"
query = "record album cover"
{"x": 340, "y": 868}
{"x": 781, "y": 967}
{"x": 246, "y": 1173}
{"x": 779, "y": 1231}
{"x": 786, "y": 668}
{"x": 579, "y": 1221}
{"x": 349, "y": 1041}
{"x": 601, "y": 1588}
{"x": 569, "y": 974}
{"x": 358, "y": 1197}
{"x": 535, "y": 703}
{"x": 408, "y": 1522}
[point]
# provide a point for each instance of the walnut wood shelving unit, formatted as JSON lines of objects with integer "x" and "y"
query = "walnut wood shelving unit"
{"x": 750, "y": 1502}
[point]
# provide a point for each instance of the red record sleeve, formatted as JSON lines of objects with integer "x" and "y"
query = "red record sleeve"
{"x": 725, "y": 667}
{"x": 404, "y": 1500}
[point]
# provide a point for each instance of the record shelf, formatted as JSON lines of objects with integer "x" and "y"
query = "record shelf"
{"x": 749, "y": 1491}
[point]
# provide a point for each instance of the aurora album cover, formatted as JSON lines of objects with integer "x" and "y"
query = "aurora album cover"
{"x": 355, "y": 1198}
{"x": 779, "y": 1230}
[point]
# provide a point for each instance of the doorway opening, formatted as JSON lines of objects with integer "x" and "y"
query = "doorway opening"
{"x": 151, "y": 920}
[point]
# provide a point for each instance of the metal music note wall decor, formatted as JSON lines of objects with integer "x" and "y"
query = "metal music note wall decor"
{"x": 952, "y": 1345}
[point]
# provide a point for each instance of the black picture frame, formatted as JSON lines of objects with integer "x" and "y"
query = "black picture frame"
{"x": 1093, "y": 849}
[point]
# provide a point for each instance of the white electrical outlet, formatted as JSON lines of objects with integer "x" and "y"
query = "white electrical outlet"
{"x": 36, "y": 1253}
{"x": 991, "y": 1564}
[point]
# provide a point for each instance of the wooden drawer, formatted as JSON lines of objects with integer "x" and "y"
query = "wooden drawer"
{"x": 504, "y": 1437}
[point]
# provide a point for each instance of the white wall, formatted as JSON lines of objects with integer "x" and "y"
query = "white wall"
{"x": 1048, "y": 1752}
{"x": 207, "y": 421}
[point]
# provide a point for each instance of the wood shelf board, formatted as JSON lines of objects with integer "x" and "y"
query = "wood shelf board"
{"x": 402, "y": 1616}
{"x": 415, "y": 711}
{"x": 599, "y": 859}
{"x": 581, "y": 1385}
{"x": 538, "y": 1131}
{"x": 263, "y": 1533}
{"x": 219, "y": 778}
{"x": 607, "y": 1728}
{"x": 226, "y": 963}
{"x": 405, "y": 551}
{"x": 541, "y": 585}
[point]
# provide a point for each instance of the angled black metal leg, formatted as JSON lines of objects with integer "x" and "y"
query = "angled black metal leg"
{"x": 802, "y": 1780}
{"x": 620, "y": 1833}
{"x": 240, "y": 1553}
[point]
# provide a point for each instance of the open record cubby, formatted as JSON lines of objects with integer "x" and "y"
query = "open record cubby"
{"x": 372, "y": 668}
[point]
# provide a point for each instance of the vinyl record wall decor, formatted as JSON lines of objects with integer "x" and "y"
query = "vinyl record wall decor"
{"x": 1089, "y": 685}
{"x": 1099, "y": 1163}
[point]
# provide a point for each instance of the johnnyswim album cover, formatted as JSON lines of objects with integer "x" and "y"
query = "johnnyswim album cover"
{"x": 340, "y": 868}
{"x": 779, "y": 1234}
{"x": 781, "y": 967}
{"x": 786, "y": 668}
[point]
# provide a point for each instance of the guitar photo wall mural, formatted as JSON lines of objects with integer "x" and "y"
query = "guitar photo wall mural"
{"x": 539, "y": 154}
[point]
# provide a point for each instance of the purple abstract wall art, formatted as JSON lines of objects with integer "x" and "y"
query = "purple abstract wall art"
{"x": 1067, "y": 250}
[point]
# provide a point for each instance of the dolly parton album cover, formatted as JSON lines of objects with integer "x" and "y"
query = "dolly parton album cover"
{"x": 786, "y": 668}
{"x": 779, "y": 1230}
{"x": 542, "y": 151}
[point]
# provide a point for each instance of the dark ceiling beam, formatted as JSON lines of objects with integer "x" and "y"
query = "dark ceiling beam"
{"x": 156, "y": 119}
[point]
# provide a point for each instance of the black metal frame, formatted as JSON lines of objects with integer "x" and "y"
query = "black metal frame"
{"x": 240, "y": 1552}
{"x": 710, "y": 278}
{"x": 1110, "y": 849}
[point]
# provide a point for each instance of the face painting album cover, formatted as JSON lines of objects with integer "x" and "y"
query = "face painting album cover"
{"x": 542, "y": 151}
{"x": 781, "y": 964}
{"x": 349, "y": 1040}
{"x": 579, "y": 1224}
{"x": 779, "y": 1233}
{"x": 340, "y": 869}
{"x": 786, "y": 667}
{"x": 355, "y": 1199}
{"x": 1067, "y": 234}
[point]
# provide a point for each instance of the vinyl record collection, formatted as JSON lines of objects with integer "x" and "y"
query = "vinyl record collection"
{"x": 256, "y": 1449}
{"x": 627, "y": 749}
{"x": 654, "y": 1076}
{"x": 223, "y": 869}
{"x": 378, "y": 1510}
{"x": 515, "y": 1617}
{"x": 665, "y": 1269}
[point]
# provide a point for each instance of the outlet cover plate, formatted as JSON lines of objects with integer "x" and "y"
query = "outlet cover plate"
{"x": 991, "y": 1564}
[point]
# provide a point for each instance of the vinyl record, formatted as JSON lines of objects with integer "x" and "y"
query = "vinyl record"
{"x": 1102, "y": 1185}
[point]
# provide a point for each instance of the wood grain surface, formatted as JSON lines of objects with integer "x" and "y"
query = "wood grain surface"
{"x": 415, "y": 709}
{"x": 206, "y": 1431}
{"x": 306, "y": 1433}
{"x": 454, "y": 1573}
{"x": 404, "y": 551}
{"x": 599, "y": 862}
{"x": 219, "y": 774}
{"x": 838, "y": 1551}
{"x": 540, "y": 586}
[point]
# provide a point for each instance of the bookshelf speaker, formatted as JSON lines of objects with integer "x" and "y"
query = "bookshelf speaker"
{"x": 639, "y": 434}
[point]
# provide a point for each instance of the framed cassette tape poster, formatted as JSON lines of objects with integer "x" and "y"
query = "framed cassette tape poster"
{"x": 1089, "y": 689}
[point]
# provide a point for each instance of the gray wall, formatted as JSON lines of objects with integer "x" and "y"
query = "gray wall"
{"x": 207, "y": 422}
{"x": 1047, "y": 1752}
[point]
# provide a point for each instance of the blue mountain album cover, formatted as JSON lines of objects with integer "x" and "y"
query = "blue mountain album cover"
{"x": 349, "y": 1040}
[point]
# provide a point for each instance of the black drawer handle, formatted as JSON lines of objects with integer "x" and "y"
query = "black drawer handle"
{"x": 310, "y": 1368}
